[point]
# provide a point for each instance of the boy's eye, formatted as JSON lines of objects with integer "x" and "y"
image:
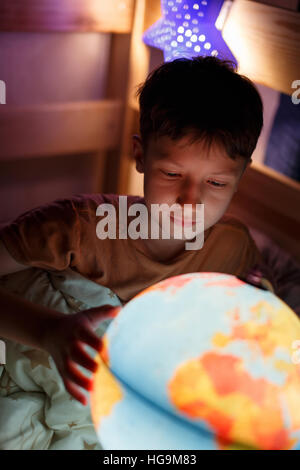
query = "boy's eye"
{"x": 216, "y": 184}
{"x": 171, "y": 173}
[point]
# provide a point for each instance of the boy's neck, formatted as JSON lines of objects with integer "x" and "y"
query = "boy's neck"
{"x": 166, "y": 250}
{"x": 162, "y": 250}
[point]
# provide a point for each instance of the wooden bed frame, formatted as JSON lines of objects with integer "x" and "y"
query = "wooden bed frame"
{"x": 266, "y": 200}
{"x": 270, "y": 202}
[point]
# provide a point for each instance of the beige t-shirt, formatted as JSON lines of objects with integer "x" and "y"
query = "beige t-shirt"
{"x": 62, "y": 234}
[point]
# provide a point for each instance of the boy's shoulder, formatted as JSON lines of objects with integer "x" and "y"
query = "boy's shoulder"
{"x": 233, "y": 231}
{"x": 105, "y": 198}
{"x": 86, "y": 204}
{"x": 230, "y": 222}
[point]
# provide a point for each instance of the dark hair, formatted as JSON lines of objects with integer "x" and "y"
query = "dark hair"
{"x": 203, "y": 97}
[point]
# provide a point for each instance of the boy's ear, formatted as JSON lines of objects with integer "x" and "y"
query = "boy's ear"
{"x": 248, "y": 162}
{"x": 138, "y": 153}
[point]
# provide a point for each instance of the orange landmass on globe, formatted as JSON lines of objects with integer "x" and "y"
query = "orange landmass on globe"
{"x": 237, "y": 407}
{"x": 104, "y": 350}
{"x": 244, "y": 411}
{"x": 266, "y": 329}
{"x": 106, "y": 393}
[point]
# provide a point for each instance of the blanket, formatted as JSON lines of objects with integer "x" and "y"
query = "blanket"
{"x": 36, "y": 411}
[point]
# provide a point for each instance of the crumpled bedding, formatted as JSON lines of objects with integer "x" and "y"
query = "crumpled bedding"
{"x": 36, "y": 411}
{"x": 285, "y": 270}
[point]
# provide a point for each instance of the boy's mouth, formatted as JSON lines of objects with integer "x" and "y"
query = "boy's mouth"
{"x": 182, "y": 221}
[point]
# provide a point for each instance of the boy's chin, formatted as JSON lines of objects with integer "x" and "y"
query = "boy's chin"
{"x": 186, "y": 234}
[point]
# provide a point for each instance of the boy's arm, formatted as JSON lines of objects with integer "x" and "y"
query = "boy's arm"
{"x": 8, "y": 264}
{"x": 25, "y": 239}
{"x": 45, "y": 237}
{"x": 19, "y": 320}
{"x": 62, "y": 336}
{"x": 23, "y": 321}
{"x": 48, "y": 238}
{"x": 257, "y": 272}
{"x": 246, "y": 259}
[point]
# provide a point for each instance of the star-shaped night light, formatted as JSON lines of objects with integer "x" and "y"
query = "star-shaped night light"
{"x": 188, "y": 29}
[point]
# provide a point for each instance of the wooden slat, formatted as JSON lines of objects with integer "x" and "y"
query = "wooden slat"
{"x": 116, "y": 89}
{"x": 66, "y": 15}
{"x": 269, "y": 202}
{"x": 146, "y": 13}
{"x": 58, "y": 129}
{"x": 287, "y": 4}
{"x": 265, "y": 41}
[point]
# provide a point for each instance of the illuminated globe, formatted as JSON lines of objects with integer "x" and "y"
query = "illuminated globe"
{"x": 200, "y": 361}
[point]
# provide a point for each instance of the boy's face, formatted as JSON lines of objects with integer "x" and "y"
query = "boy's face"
{"x": 188, "y": 174}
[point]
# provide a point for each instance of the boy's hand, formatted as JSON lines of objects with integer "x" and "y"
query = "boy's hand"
{"x": 64, "y": 339}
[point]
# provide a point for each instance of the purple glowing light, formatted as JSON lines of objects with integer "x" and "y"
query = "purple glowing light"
{"x": 187, "y": 29}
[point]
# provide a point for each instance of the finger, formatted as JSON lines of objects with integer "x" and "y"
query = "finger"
{"x": 80, "y": 356}
{"x": 86, "y": 335}
{"x": 73, "y": 374}
{"x": 102, "y": 313}
{"x": 74, "y": 392}
{"x": 115, "y": 311}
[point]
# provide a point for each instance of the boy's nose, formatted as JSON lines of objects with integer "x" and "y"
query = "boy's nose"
{"x": 190, "y": 194}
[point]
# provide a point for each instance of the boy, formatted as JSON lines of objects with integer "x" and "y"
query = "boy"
{"x": 199, "y": 124}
